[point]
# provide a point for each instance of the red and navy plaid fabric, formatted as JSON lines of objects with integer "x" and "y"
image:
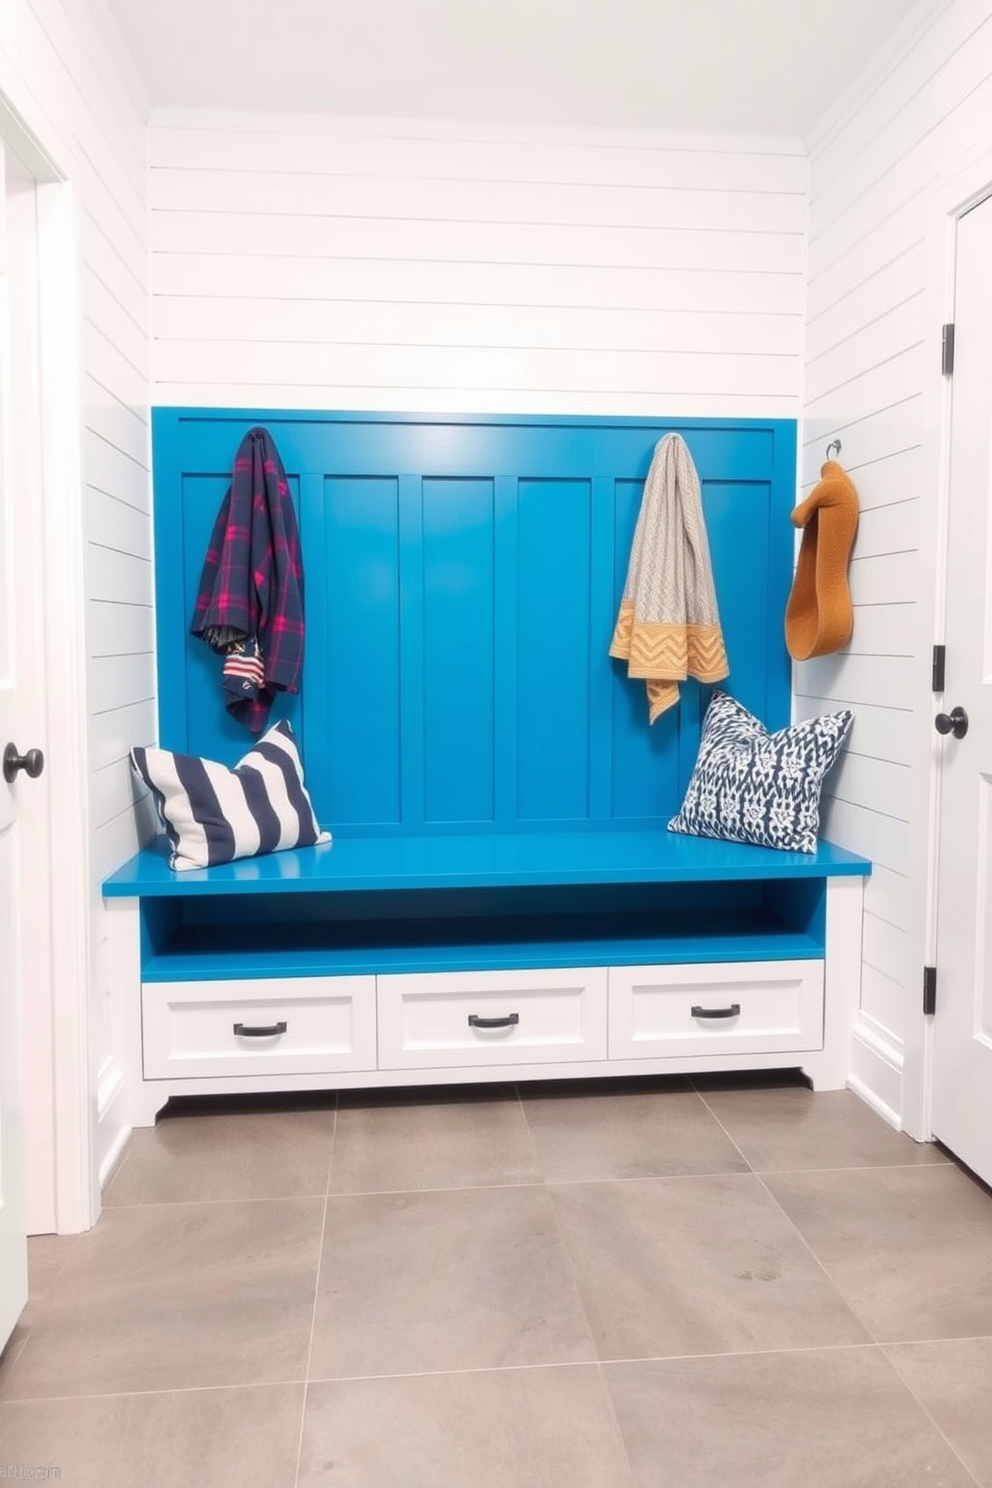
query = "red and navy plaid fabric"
{"x": 252, "y": 581}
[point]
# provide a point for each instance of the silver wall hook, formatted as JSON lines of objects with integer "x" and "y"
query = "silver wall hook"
{"x": 834, "y": 446}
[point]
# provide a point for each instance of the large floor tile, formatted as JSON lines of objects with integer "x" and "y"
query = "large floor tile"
{"x": 953, "y": 1379}
{"x": 454, "y": 1280}
{"x": 695, "y": 1265}
{"x": 909, "y": 1248}
{"x": 47, "y": 1254}
{"x": 782, "y": 1129}
{"x": 245, "y": 1438}
{"x": 275, "y": 1155}
{"x": 836, "y": 1418}
{"x": 618, "y": 1130}
{"x": 515, "y": 1428}
{"x": 177, "y": 1296}
{"x": 397, "y": 1141}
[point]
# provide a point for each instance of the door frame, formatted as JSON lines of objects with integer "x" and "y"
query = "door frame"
{"x": 952, "y": 195}
{"x": 56, "y": 1025}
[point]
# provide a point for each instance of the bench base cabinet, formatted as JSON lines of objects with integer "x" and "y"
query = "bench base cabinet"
{"x": 772, "y": 1007}
{"x": 325, "y": 995}
{"x": 313, "y": 1025}
{"x": 326, "y": 1025}
{"x": 492, "y": 1018}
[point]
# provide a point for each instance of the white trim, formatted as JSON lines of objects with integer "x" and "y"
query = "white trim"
{"x": 377, "y": 126}
{"x": 953, "y": 195}
{"x": 887, "y": 59}
{"x": 77, "y": 1191}
{"x": 876, "y": 1070}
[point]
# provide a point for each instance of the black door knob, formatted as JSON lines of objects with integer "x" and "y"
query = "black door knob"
{"x": 955, "y": 722}
{"x": 31, "y": 763}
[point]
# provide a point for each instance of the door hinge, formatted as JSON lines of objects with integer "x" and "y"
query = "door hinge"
{"x": 947, "y": 350}
{"x": 929, "y": 990}
{"x": 939, "y": 662}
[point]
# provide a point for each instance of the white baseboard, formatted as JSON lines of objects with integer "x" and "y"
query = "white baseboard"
{"x": 876, "y": 1070}
{"x": 112, "y": 1127}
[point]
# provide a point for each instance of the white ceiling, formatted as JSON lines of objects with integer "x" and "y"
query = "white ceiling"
{"x": 729, "y": 65}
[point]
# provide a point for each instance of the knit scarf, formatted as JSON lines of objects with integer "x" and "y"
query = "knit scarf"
{"x": 668, "y": 627}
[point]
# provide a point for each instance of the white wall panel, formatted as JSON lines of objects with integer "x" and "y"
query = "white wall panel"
{"x": 287, "y": 276}
{"x": 886, "y": 897}
{"x": 65, "y": 71}
{"x": 115, "y": 629}
{"x": 878, "y": 733}
{"x": 873, "y": 167}
{"x": 313, "y": 263}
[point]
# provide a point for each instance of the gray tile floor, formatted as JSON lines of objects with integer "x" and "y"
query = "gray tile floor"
{"x": 644, "y": 1284}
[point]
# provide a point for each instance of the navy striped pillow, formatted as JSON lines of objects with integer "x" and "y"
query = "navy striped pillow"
{"x": 213, "y": 814}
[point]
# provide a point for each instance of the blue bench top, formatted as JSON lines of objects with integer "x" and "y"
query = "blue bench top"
{"x": 480, "y": 861}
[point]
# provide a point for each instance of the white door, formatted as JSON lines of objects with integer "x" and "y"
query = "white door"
{"x": 13, "y": 1245}
{"x": 962, "y": 1078}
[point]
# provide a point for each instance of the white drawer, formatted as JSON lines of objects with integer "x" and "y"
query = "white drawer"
{"x": 543, "y": 1017}
{"x": 657, "y": 1010}
{"x": 188, "y": 1028}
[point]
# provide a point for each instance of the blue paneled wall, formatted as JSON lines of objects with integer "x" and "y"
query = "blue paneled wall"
{"x": 462, "y": 581}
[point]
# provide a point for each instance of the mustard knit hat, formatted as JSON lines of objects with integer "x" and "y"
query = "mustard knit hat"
{"x": 819, "y": 616}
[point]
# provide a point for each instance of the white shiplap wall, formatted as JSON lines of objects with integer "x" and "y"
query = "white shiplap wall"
{"x": 369, "y": 264}
{"x": 871, "y": 171}
{"x": 65, "y": 71}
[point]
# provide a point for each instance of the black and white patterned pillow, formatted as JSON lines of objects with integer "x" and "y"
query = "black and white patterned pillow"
{"x": 213, "y": 814}
{"x": 752, "y": 786}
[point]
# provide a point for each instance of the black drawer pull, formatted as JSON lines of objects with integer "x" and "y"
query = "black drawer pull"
{"x": 733, "y": 1011}
{"x": 244, "y": 1031}
{"x": 474, "y": 1021}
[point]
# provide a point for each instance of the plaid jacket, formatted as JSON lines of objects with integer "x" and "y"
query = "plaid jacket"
{"x": 251, "y": 588}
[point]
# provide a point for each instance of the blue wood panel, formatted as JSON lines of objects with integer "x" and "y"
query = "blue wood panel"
{"x": 644, "y": 760}
{"x": 459, "y": 636}
{"x": 483, "y": 860}
{"x": 554, "y": 589}
{"x": 218, "y": 952}
{"x": 463, "y": 576}
{"x": 354, "y": 767}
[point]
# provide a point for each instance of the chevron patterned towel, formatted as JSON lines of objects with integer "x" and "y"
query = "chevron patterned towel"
{"x": 668, "y": 627}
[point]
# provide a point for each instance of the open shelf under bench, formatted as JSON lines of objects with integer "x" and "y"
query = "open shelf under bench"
{"x": 377, "y": 960}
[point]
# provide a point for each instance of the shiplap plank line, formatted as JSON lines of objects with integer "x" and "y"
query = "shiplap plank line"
{"x": 396, "y": 398}
{"x": 864, "y": 300}
{"x": 393, "y": 239}
{"x": 883, "y": 998}
{"x": 114, "y": 628}
{"x": 860, "y": 393}
{"x": 887, "y": 897}
{"x": 495, "y": 368}
{"x": 880, "y": 339}
{"x": 885, "y": 947}
{"x": 875, "y": 835}
{"x": 580, "y": 328}
{"x": 277, "y": 277}
{"x": 115, "y": 681}
{"x": 890, "y": 479}
{"x": 943, "y": 68}
{"x": 119, "y": 423}
{"x": 339, "y": 126}
{"x": 302, "y": 151}
{"x": 82, "y": 41}
{"x": 117, "y": 575}
{"x": 882, "y": 630}
{"x": 880, "y": 434}
{"x": 878, "y": 733}
{"x": 407, "y": 198}
{"x": 113, "y": 733}
{"x": 115, "y": 524}
{"x": 862, "y": 781}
